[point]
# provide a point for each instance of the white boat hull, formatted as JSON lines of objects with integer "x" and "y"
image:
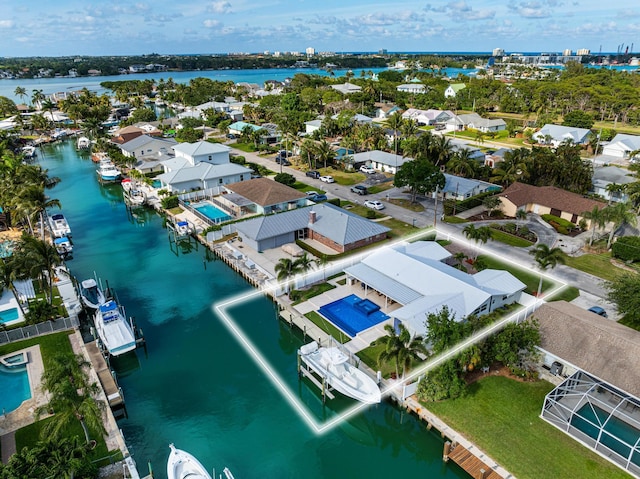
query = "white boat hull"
{"x": 59, "y": 226}
{"x": 333, "y": 365}
{"x": 182, "y": 465}
{"x": 91, "y": 294}
{"x": 113, "y": 329}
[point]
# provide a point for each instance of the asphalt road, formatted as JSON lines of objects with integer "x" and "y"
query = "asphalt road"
{"x": 592, "y": 285}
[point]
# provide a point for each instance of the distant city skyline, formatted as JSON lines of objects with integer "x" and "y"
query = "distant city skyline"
{"x": 97, "y": 27}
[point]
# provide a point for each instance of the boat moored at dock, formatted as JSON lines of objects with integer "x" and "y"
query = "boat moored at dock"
{"x": 92, "y": 294}
{"x": 83, "y": 143}
{"x": 108, "y": 172}
{"x": 113, "y": 329}
{"x": 133, "y": 193}
{"x": 182, "y": 465}
{"x": 333, "y": 366}
{"x": 63, "y": 246}
{"x": 59, "y": 225}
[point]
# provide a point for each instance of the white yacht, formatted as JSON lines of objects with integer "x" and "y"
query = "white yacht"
{"x": 63, "y": 246}
{"x": 108, "y": 172}
{"x": 59, "y": 226}
{"x": 92, "y": 294}
{"x": 182, "y": 465}
{"x": 133, "y": 193}
{"x": 83, "y": 143}
{"x": 333, "y": 365}
{"x": 113, "y": 329}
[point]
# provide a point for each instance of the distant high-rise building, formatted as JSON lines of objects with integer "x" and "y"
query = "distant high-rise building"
{"x": 567, "y": 52}
{"x": 310, "y": 51}
{"x": 382, "y": 52}
{"x": 276, "y": 54}
{"x": 498, "y": 52}
{"x": 583, "y": 51}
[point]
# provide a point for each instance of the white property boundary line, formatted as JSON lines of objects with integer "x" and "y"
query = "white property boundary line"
{"x": 322, "y": 427}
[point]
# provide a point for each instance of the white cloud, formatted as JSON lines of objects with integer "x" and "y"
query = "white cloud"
{"x": 221, "y": 7}
{"x": 211, "y": 23}
{"x": 6, "y": 23}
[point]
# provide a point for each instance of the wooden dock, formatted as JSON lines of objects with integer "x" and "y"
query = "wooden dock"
{"x": 470, "y": 463}
{"x": 108, "y": 382}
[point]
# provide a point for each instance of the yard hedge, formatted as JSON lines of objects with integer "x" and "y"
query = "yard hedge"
{"x": 627, "y": 248}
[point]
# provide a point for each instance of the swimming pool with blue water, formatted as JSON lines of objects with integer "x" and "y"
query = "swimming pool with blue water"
{"x": 14, "y": 384}
{"x": 211, "y": 211}
{"x": 353, "y": 314}
{"x": 7, "y": 315}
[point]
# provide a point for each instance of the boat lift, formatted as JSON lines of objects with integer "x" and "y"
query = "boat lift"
{"x": 181, "y": 236}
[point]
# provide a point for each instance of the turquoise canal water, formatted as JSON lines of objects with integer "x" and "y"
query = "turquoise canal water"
{"x": 196, "y": 386}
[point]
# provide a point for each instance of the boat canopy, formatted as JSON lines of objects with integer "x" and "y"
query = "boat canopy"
{"x": 109, "y": 311}
{"x": 62, "y": 240}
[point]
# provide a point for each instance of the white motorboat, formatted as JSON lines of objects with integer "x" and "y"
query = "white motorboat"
{"x": 182, "y": 465}
{"x": 92, "y": 294}
{"x": 63, "y": 246}
{"x": 28, "y": 151}
{"x": 333, "y": 365}
{"x": 83, "y": 143}
{"x": 108, "y": 172}
{"x": 115, "y": 332}
{"x": 182, "y": 227}
{"x": 59, "y": 226}
{"x": 133, "y": 194}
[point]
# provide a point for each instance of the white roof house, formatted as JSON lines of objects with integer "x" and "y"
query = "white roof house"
{"x": 201, "y": 165}
{"x": 412, "y": 88}
{"x": 622, "y": 145}
{"x": 145, "y": 145}
{"x": 414, "y": 276}
{"x": 457, "y": 187}
{"x": 428, "y": 117}
{"x": 381, "y": 160}
{"x": 346, "y": 88}
{"x": 556, "y": 134}
{"x": 612, "y": 175}
{"x": 485, "y": 125}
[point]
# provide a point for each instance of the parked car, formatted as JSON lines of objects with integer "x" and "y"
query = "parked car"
{"x": 367, "y": 169}
{"x": 327, "y": 179}
{"x": 374, "y": 204}
{"x": 318, "y": 198}
{"x": 313, "y": 174}
{"x": 361, "y": 190}
{"x": 231, "y": 136}
{"x": 283, "y": 161}
{"x": 599, "y": 311}
{"x": 312, "y": 193}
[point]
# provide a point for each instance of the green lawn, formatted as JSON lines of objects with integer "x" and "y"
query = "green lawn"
{"x": 399, "y": 228}
{"x": 379, "y": 188}
{"x": 455, "y": 220}
{"x": 300, "y": 186}
{"x": 501, "y": 416}
{"x": 406, "y": 204}
{"x": 596, "y": 264}
{"x": 370, "y": 355}
{"x": 344, "y": 178}
{"x": 327, "y": 327}
{"x": 509, "y": 239}
{"x": 531, "y": 279}
{"x": 246, "y": 147}
{"x": 301, "y": 295}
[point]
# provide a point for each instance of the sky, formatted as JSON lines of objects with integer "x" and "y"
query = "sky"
{"x": 117, "y": 27}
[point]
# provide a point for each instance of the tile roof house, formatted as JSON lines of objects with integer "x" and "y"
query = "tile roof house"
{"x": 126, "y": 134}
{"x": 413, "y": 275}
{"x": 263, "y": 196}
{"x": 332, "y": 226}
{"x": 199, "y": 166}
{"x": 556, "y": 134}
{"x": 546, "y": 200}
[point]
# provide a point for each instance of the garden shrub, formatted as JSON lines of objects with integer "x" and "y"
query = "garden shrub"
{"x": 169, "y": 202}
{"x": 561, "y": 225}
{"x": 334, "y": 201}
{"x": 627, "y": 248}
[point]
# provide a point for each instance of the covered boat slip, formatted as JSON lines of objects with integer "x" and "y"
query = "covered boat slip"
{"x": 600, "y": 416}
{"x": 113, "y": 329}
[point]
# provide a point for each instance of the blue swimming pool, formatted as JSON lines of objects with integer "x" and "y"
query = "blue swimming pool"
{"x": 14, "y": 384}
{"x": 617, "y": 435}
{"x": 211, "y": 212}
{"x": 7, "y": 315}
{"x": 353, "y": 314}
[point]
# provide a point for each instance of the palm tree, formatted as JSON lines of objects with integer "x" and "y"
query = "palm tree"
{"x": 462, "y": 164}
{"x": 460, "y": 257}
{"x": 619, "y": 214}
{"x": 597, "y": 217}
{"x": 37, "y": 259}
{"x": 36, "y": 97}
{"x": 324, "y": 152}
{"x": 21, "y": 92}
{"x": 521, "y": 215}
{"x": 401, "y": 348}
{"x": 285, "y": 269}
{"x": 304, "y": 263}
{"x": 72, "y": 396}
{"x": 478, "y": 235}
{"x": 395, "y": 122}
{"x": 547, "y": 258}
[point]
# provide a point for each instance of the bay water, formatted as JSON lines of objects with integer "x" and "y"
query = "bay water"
{"x": 196, "y": 386}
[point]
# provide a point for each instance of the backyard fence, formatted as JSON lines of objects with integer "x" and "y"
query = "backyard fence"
{"x": 39, "y": 329}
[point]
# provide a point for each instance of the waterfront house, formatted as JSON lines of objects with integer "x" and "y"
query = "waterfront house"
{"x": 453, "y": 89}
{"x": 200, "y": 166}
{"x": 595, "y": 364}
{"x": 380, "y": 160}
{"x": 261, "y": 196}
{"x": 606, "y": 177}
{"x": 325, "y": 223}
{"x": 346, "y": 88}
{"x": 555, "y": 134}
{"x": 128, "y": 133}
{"x": 622, "y": 146}
{"x": 546, "y": 200}
{"x": 415, "y": 276}
{"x": 149, "y": 152}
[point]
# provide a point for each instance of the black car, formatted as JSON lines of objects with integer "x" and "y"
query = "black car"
{"x": 313, "y": 174}
{"x": 361, "y": 190}
{"x": 283, "y": 161}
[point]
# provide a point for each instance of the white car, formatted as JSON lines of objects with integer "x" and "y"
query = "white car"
{"x": 327, "y": 179}
{"x": 374, "y": 204}
{"x": 367, "y": 169}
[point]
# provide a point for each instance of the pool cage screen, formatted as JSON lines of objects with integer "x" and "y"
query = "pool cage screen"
{"x": 598, "y": 415}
